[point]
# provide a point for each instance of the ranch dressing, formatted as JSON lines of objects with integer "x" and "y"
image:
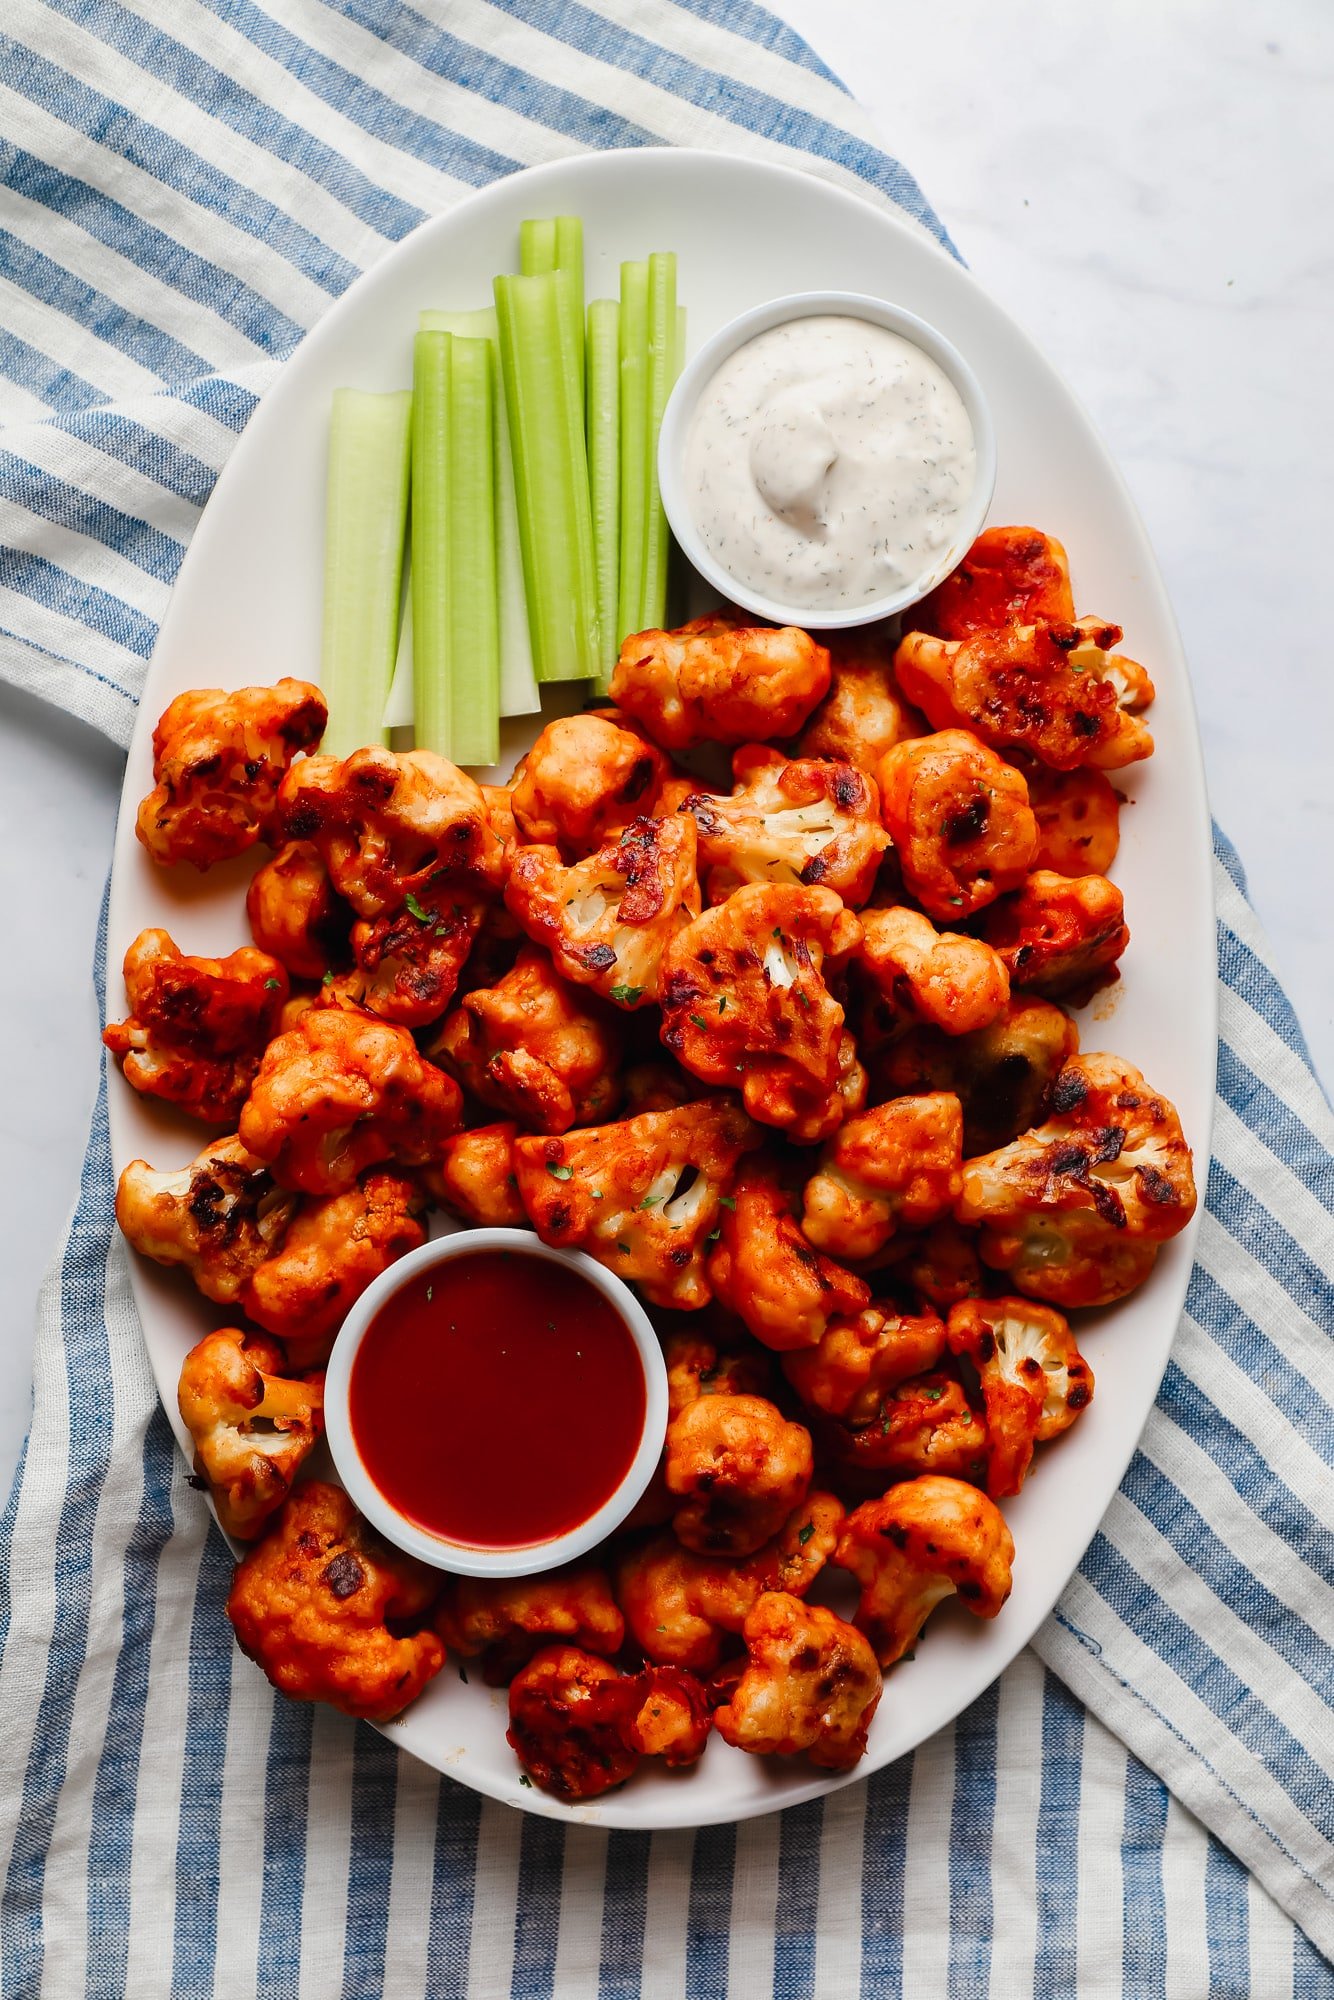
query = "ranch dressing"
{"x": 828, "y": 464}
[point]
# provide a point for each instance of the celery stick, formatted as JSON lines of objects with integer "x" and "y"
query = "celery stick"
{"x": 551, "y": 479}
{"x": 398, "y": 708}
{"x": 537, "y": 245}
{"x": 432, "y": 358}
{"x": 603, "y": 405}
{"x": 634, "y": 422}
{"x": 365, "y": 516}
{"x": 471, "y": 599}
{"x": 662, "y": 339}
{"x": 518, "y": 683}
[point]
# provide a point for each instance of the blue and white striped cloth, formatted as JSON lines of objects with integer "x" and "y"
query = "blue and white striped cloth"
{"x": 1144, "y": 1804}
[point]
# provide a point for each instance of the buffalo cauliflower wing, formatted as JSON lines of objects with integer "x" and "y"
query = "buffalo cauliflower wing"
{"x": 608, "y": 920}
{"x": 744, "y": 1002}
{"x": 863, "y": 714}
{"x": 197, "y": 1027}
{"x": 1078, "y": 816}
{"x": 894, "y": 1167}
{"x": 218, "y": 760}
{"x": 340, "y": 1092}
{"x": 391, "y": 824}
{"x": 926, "y": 1540}
{"x": 474, "y": 1175}
{"x": 508, "y": 1618}
{"x": 295, "y": 915}
{"x": 767, "y": 1272}
{"x": 673, "y": 1718}
{"x": 1010, "y": 576}
{"x": 960, "y": 821}
{"x": 643, "y": 1196}
{"x": 253, "y": 1427}
{"x": 805, "y": 820}
{"x": 682, "y": 1607}
{"x": 583, "y": 782}
{"x": 332, "y": 1248}
{"x": 926, "y": 1424}
{"x": 955, "y": 983}
{"x": 569, "y": 1712}
{"x": 861, "y": 1357}
{"x": 1051, "y": 690}
{"x": 1074, "y": 1211}
{"x": 410, "y": 962}
{"x": 811, "y": 1683}
{"x": 719, "y": 681}
{"x": 1060, "y": 934}
{"x": 331, "y": 1613}
{"x": 1035, "y": 1381}
{"x": 736, "y": 1468}
{"x": 533, "y": 1048}
{"x": 218, "y": 1218}
{"x": 1000, "y": 1073}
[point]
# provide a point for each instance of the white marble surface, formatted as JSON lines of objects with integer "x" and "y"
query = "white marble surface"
{"x": 1148, "y": 189}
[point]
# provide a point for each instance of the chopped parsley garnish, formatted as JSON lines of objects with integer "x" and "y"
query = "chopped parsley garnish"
{"x": 699, "y": 1021}
{"x": 806, "y": 1533}
{"x": 627, "y": 995}
{"x": 934, "y": 1395}
{"x": 327, "y": 979}
{"x": 558, "y": 1172}
{"x": 727, "y": 1200}
{"x": 416, "y": 909}
{"x": 272, "y": 985}
{"x": 712, "y": 1237}
{"x": 524, "y": 1779}
{"x": 722, "y": 1005}
{"x": 650, "y": 1201}
{"x": 778, "y": 932}
{"x": 624, "y": 1248}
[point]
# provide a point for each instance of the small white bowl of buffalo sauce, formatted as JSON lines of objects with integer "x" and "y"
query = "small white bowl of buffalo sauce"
{"x": 494, "y": 1406}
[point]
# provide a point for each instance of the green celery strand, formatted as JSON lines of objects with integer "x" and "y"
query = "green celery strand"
{"x": 432, "y": 357}
{"x": 603, "y": 404}
{"x": 471, "y": 598}
{"x": 662, "y": 347}
{"x": 370, "y": 441}
{"x": 634, "y": 437}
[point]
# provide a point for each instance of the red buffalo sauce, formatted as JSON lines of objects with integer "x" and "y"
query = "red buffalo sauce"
{"x": 497, "y": 1399}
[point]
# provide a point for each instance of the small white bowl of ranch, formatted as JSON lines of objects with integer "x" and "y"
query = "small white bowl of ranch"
{"x": 826, "y": 459}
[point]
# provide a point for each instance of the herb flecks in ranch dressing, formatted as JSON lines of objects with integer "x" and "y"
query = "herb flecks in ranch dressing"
{"x": 829, "y": 463}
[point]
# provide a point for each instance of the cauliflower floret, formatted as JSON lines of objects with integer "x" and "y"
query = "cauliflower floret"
{"x": 894, "y": 1167}
{"x": 390, "y": 825}
{"x": 1049, "y": 689}
{"x": 411, "y": 961}
{"x": 332, "y": 1613}
{"x": 219, "y": 1217}
{"x": 534, "y": 1048}
{"x": 1000, "y": 1074}
{"x": 673, "y": 1719}
{"x": 643, "y": 1196}
{"x": 1060, "y": 934}
{"x": 608, "y": 920}
{"x": 509, "y": 1618}
{"x": 740, "y": 1467}
{"x": 342, "y": 1091}
{"x": 959, "y": 819}
{"x": 295, "y": 915}
{"x": 811, "y": 1684}
{"x": 719, "y": 681}
{"x": 569, "y": 1715}
{"x": 218, "y": 759}
{"x": 863, "y": 714}
{"x": 1074, "y": 1211}
{"x": 956, "y": 983}
{"x": 583, "y": 782}
{"x": 680, "y": 1606}
{"x": 1010, "y": 576}
{"x": 766, "y": 1271}
{"x": 333, "y": 1247}
{"x": 926, "y": 1424}
{"x": 743, "y": 1001}
{"x": 474, "y": 1175}
{"x": 924, "y": 1541}
{"x": 698, "y": 1366}
{"x": 253, "y": 1427}
{"x": 1078, "y": 816}
{"x": 1035, "y": 1381}
{"x": 197, "y": 1027}
{"x": 806, "y": 821}
{"x": 858, "y": 1359}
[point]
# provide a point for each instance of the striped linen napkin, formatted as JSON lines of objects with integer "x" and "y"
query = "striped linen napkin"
{"x": 1144, "y": 1803}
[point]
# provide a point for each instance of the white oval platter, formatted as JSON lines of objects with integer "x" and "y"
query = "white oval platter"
{"x": 247, "y": 609}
